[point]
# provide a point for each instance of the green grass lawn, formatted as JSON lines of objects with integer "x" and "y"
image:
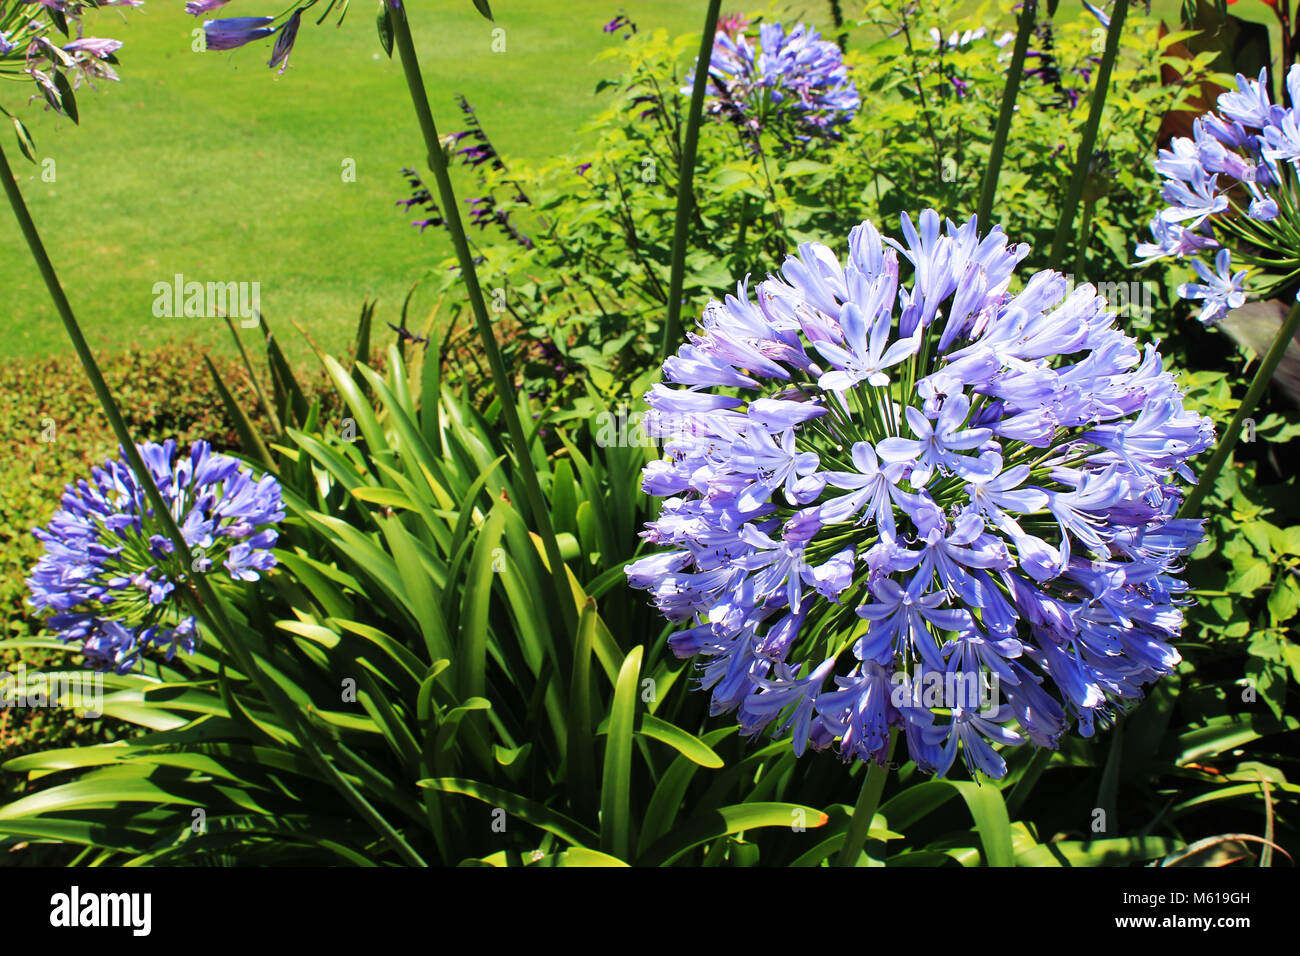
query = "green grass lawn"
{"x": 212, "y": 166}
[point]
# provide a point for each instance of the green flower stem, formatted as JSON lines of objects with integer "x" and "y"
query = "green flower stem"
{"x": 204, "y": 600}
{"x": 685, "y": 183}
{"x": 500, "y": 379}
{"x": 1081, "y": 245}
{"x": 873, "y": 785}
{"x": 1089, "y": 141}
{"x": 1223, "y": 448}
{"x": 1028, "y": 19}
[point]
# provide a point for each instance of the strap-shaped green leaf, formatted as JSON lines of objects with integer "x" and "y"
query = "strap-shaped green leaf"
{"x": 728, "y": 820}
{"x": 616, "y": 779}
{"x": 529, "y": 811}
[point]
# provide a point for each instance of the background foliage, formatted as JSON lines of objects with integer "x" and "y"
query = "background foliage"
{"x": 417, "y": 695}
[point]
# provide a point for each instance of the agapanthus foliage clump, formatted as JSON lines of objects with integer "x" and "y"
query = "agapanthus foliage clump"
{"x": 1231, "y": 190}
{"x": 43, "y": 41}
{"x": 779, "y": 79}
{"x": 926, "y": 504}
{"x": 110, "y": 575}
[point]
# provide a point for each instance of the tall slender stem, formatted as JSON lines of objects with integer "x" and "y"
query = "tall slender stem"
{"x": 203, "y": 600}
{"x": 1285, "y": 17}
{"x": 686, "y": 180}
{"x": 1089, "y": 142}
{"x": 873, "y": 785}
{"x": 1081, "y": 245}
{"x": 1015, "y": 72}
{"x": 505, "y": 389}
{"x": 1223, "y": 448}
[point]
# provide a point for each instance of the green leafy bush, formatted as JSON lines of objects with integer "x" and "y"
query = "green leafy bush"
{"x": 592, "y": 272}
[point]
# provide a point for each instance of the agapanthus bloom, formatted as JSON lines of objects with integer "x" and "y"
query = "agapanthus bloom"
{"x": 110, "y": 575}
{"x": 1231, "y": 192}
{"x": 923, "y": 503}
{"x": 779, "y": 76}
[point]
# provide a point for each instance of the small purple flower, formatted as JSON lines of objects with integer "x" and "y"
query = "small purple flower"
{"x": 232, "y": 32}
{"x": 620, "y": 22}
{"x": 91, "y": 57}
{"x": 1249, "y": 105}
{"x": 780, "y": 76}
{"x": 422, "y": 198}
{"x": 867, "y": 352}
{"x": 1195, "y": 199}
{"x": 30, "y": 46}
{"x": 1172, "y": 239}
{"x": 938, "y": 443}
{"x": 1220, "y": 290}
{"x": 93, "y": 46}
{"x": 197, "y": 8}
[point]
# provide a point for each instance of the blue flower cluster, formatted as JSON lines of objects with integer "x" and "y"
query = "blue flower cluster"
{"x": 1247, "y": 153}
{"x": 866, "y": 478}
{"x": 796, "y": 75}
{"x": 109, "y": 575}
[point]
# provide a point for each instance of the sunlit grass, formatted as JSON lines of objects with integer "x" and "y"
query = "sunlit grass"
{"x": 212, "y": 166}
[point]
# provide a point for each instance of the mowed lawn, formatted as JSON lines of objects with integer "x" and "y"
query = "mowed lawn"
{"x": 214, "y": 167}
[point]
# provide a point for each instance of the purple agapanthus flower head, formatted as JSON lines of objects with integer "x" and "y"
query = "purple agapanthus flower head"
{"x": 109, "y": 574}
{"x": 902, "y": 495}
{"x": 1222, "y": 186}
{"x": 779, "y": 76}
